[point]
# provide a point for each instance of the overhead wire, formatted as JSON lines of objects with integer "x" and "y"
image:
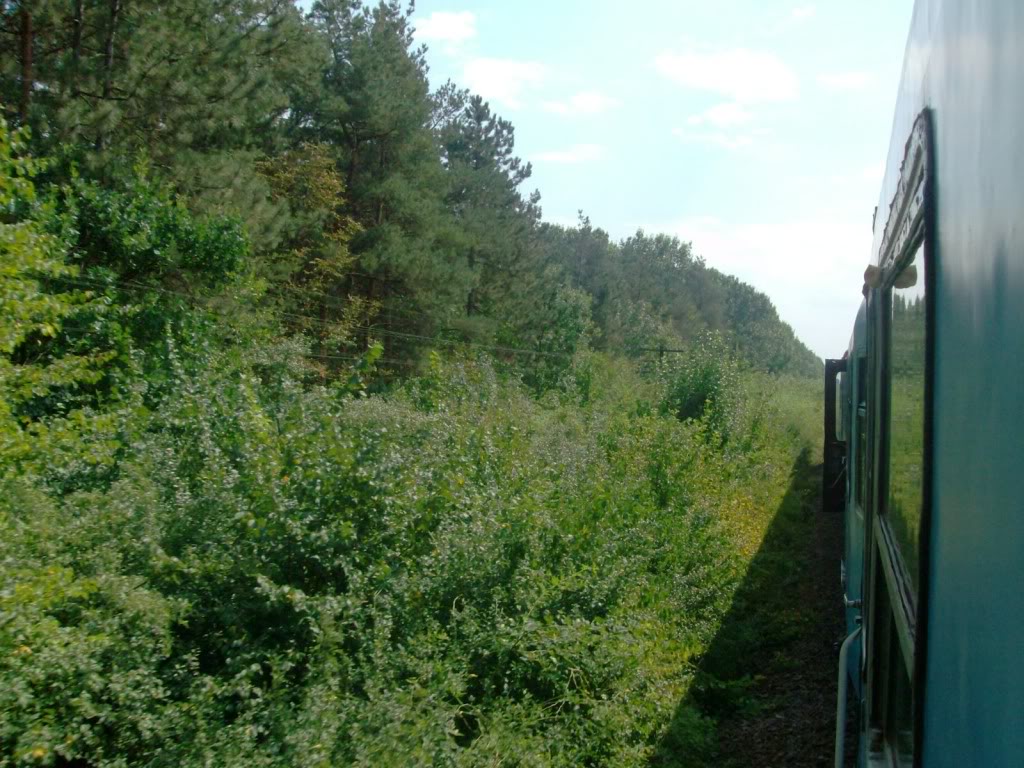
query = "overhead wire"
{"x": 140, "y": 287}
{"x": 372, "y": 329}
{"x": 339, "y": 303}
{"x": 329, "y": 324}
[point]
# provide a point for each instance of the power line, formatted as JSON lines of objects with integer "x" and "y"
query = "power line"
{"x": 353, "y": 358}
{"x": 411, "y": 337}
{"x": 139, "y": 287}
{"x": 456, "y": 342}
{"x": 339, "y": 303}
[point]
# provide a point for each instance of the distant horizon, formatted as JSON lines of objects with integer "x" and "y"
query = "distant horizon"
{"x": 756, "y": 132}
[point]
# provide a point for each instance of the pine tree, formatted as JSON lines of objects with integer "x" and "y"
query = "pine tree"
{"x": 200, "y": 87}
{"x": 497, "y": 225}
{"x": 376, "y": 112}
{"x": 309, "y": 276}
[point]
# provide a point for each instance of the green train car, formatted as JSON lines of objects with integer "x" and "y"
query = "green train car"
{"x": 925, "y": 413}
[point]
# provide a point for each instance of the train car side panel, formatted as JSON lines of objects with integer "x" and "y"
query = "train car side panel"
{"x": 965, "y": 62}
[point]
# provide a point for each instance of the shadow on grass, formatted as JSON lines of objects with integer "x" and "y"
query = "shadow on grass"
{"x": 757, "y": 638}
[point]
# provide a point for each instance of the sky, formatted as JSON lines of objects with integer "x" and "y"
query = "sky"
{"x": 757, "y": 130}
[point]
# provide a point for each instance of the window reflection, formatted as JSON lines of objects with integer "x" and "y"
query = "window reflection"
{"x": 862, "y": 432}
{"x": 906, "y": 413}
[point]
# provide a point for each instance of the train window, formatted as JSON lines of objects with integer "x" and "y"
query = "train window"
{"x": 861, "y": 433}
{"x": 897, "y": 462}
{"x": 897, "y": 532}
{"x": 892, "y": 705}
{"x": 906, "y": 412}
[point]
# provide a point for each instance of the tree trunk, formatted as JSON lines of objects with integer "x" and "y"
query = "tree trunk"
{"x": 380, "y": 202}
{"x": 471, "y": 296}
{"x": 26, "y": 63}
{"x": 108, "y": 53}
{"x": 76, "y": 44}
{"x": 108, "y": 60}
{"x": 372, "y": 295}
{"x": 350, "y": 174}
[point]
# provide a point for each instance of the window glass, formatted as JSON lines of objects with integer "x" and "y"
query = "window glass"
{"x": 906, "y": 412}
{"x": 899, "y": 725}
{"x": 892, "y": 707}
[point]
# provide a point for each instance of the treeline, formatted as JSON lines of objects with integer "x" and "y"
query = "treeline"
{"x": 372, "y": 206}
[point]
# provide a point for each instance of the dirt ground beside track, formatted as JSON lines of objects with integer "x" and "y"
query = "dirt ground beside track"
{"x": 792, "y": 720}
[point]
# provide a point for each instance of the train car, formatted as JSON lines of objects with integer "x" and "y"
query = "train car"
{"x": 925, "y": 412}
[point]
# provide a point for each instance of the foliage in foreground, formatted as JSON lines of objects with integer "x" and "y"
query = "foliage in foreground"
{"x": 455, "y": 574}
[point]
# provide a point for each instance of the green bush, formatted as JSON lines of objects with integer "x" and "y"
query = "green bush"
{"x": 704, "y": 385}
{"x": 284, "y": 575}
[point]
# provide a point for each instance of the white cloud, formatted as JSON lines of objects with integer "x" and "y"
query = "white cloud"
{"x": 796, "y": 17}
{"x": 589, "y": 102}
{"x": 844, "y": 81}
{"x": 723, "y": 139}
{"x": 724, "y": 115}
{"x": 502, "y": 80}
{"x": 447, "y": 27}
{"x": 811, "y": 268}
{"x": 802, "y": 12}
{"x": 577, "y": 153}
{"x": 742, "y": 75}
